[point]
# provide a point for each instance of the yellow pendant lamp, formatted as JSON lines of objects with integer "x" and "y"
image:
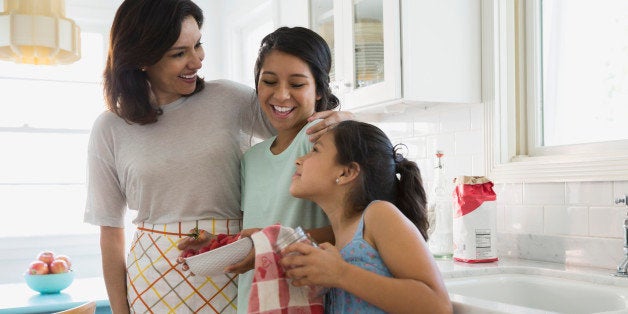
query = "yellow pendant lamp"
{"x": 37, "y": 32}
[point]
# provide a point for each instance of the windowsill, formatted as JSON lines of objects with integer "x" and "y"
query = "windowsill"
{"x": 18, "y": 298}
{"x": 560, "y": 169}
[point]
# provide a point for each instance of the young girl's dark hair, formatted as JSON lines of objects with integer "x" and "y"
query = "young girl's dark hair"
{"x": 384, "y": 173}
{"x": 308, "y": 46}
{"x": 138, "y": 42}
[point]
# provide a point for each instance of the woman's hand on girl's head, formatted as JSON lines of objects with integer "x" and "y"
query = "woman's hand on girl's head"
{"x": 330, "y": 118}
{"x": 322, "y": 266}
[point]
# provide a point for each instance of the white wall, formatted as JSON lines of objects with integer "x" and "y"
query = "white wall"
{"x": 212, "y": 37}
{"x": 573, "y": 222}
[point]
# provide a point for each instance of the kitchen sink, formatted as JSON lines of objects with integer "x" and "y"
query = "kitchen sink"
{"x": 523, "y": 291}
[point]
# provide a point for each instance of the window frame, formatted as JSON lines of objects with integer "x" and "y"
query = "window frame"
{"x": 511, "y": 74}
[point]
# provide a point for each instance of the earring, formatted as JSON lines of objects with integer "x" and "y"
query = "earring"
{"x": 143, "y": 69}
{"x": 337, "y": 180}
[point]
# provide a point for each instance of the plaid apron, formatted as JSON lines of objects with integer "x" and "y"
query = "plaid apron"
{"x": 156, "y": 283}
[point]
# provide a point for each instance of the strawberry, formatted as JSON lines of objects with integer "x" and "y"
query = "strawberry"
{"x": 233, "y": 238}
{"x": 218, "y": 241}
{"x": 189, "y": 252}
{"x": 214, "y": 244}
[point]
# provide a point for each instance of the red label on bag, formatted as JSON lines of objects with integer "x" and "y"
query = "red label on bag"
{"x": 469, "y": 195}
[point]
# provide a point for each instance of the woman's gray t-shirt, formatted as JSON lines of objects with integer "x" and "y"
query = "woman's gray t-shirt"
{"x": 184, "y": 167}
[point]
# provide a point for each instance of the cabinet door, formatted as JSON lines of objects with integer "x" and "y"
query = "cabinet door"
{"x": 441, "y": 50}
{"x": 326, "y": 20}
{"x": 364, "y": 37}
{"x": 373, "y": 52}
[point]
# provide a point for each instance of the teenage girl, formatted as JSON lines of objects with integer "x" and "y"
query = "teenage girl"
{"x": 292, "y": 84}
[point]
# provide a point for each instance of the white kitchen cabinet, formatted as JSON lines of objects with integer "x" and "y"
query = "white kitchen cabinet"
{"x": 364, "y": 36}
{"x": 441, "y": 51}
{"x": 385, "y": 52}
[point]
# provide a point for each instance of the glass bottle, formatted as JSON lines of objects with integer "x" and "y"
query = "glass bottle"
{"x": 285, "y": 239}
{"x": 298, "y": 235}
{"x": 440, "y": 207}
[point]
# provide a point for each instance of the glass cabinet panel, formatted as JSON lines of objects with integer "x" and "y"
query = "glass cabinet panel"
{"x": 368, "y": 42}
{"x": 364, "y": 36}
{"x": 322, "y": 22}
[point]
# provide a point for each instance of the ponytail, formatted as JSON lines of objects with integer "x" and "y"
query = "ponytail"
{"x": 411, "y": 197}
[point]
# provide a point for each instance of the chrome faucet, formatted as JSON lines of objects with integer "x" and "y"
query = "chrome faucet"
{"x": 622, "y": 268}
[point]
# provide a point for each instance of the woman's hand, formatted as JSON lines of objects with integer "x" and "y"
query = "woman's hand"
{"x": 248, "y": 262}
{"x": 330, "y": 118}
{"x": 194, "y": 241}
{"x": 322, "y": 266}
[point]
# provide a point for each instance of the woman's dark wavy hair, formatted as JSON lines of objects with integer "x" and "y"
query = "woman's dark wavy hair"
{"x": 308, "y": 46}
{"x": 141, "y": 33}
{"x": 380, "y": 163}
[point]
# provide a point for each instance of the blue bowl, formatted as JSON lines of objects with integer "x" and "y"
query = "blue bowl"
{"x": 50, "y": 283}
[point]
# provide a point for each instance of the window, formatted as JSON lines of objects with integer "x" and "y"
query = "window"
{"x": 45, "y": 120}
{"x": 556, "y": 79}
{"x": 584, "y": 71}
{"x": 46, "y": 114}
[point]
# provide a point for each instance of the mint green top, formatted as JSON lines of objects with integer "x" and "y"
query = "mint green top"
{"x": 266, "y": 198}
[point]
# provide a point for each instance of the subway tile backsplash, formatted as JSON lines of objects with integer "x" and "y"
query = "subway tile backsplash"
{"x": 544, "y": 194}
{"x": 566, "y": 220}
{"x": 574, "y": 223}
{"x": 598, "y": 193}
{"x": 606, "y": 222}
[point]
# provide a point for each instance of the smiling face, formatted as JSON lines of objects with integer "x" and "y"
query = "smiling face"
{"x": 286, "y": 91}
{"x": 174, "y": 75}
{"x": 317, "y": 171}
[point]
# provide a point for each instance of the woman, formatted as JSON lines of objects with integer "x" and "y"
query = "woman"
{"x": 169, "y": 148}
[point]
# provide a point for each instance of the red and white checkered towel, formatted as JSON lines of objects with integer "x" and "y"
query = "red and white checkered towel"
{"x": 271, "y": 291}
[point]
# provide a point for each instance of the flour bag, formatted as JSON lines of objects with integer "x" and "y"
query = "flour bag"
{"x": 474, "y": 220}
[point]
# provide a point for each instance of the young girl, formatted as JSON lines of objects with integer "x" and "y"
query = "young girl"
{"x": 375, "y": 201}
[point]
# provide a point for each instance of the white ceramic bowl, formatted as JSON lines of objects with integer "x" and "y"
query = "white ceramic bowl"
{"x": 213, "y": 262}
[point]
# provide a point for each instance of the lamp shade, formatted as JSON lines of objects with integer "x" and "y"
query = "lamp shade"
{"x": 37, "y": 32}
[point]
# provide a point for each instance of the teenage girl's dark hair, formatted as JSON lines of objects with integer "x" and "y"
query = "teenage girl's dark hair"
{"x": 141, "y": 33}
{"x": 380, "y": 163}
{"x": 308, "y": 46}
